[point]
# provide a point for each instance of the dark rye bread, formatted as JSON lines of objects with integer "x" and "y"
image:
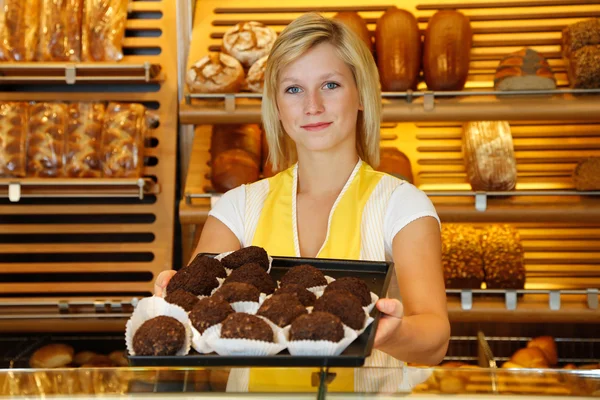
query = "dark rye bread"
{"x": 462, "y": 257}
{"x": 503, "y": 260}
{"x": 587, "y": 174}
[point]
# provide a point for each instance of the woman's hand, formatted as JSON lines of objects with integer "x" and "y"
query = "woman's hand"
{"x": 162, "y": 280}
{"x": 390, "y": 321}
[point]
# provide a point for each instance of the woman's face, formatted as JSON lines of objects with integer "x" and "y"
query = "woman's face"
{"x": 318, "y": 101}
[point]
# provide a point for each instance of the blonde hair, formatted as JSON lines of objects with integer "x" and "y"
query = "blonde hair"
{"x": 297, "y": 38}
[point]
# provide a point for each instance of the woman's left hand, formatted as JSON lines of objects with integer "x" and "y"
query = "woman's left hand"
{"x": 390, "y": 321}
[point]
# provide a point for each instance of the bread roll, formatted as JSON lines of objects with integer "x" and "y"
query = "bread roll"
{"x": 103, "y": 30}
{"x": 84, "y": 134}
{"x": 531, "y": 357}
{"x": 525, "y": 69}
{"x": 216, "y": 73}
{"x": 243, "y": 137}
{"x": 489, "y": 155}
{"x": 60, "y": 30}
{"x": 548, "y": 347}
{"x": 462, "y": 256}
{"x": 586, "y": 175}
{"x": 53, "y": 355}
{"x": 357, "y": 25}
{"x": 83, "y": 357}
{"x": 13, "y": 137}
{"x": 394, "y": 162}
{"x": 447, "y": 51}
{"x": 255, "y": 80}
{"x": 452, "y": 384}
{"x": 118, "y": 358}
{"x": 248, "y": 42}
{"x": 398, "y": 43}
{"x": 503, "y": 260}
{"x": 583, "y": 68}
{"x": 19, "y": 26}
{"x": 46, "y": 139}
{"x": 510, "y": 364}
{"x": 232, "y": 168}
{"x": 580, "y": 34}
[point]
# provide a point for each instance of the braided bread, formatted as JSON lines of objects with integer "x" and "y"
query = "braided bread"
{"x": 46, "y": 139}
{"x": 84, "y": 132}
{"x": 13, "y": 133}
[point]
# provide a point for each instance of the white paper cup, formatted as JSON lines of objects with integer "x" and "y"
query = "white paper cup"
{"x": 199, "y": 342}
{"x": 374, "y": 299}
{"x": 229, "y": 271}
{"x": 151, "y": 307}
{"x": 320, "y": 347}
{"x": 245, "y": 347}
{"x": 318, "y": 290}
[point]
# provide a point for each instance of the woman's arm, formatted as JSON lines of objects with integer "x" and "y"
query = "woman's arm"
{"x": 216, "y": 237}
{"x": 417, "y": 330}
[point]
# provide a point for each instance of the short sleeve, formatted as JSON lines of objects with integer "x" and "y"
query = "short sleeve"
{"x": 230, "y": 210}
{"x": 406, "y": 204}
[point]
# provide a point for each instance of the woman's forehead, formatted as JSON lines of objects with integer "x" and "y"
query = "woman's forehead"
{"x": 319, "y": 63}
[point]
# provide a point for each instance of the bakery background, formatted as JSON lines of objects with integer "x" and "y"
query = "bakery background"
{"x": 77, "y": 253}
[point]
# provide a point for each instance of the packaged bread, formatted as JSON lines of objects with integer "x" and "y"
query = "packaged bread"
{"x": 103, "y": 30}
{"x": 489, "y": 155}
{"x": 46, "y": 139}
{"x": 394, "y": 162}
{"x": 60, "y": 30}
{"x": 356, "y": 24}
{"x": 525, "y": 69}
{"x": 13, "y": 136}
{"x": 249, "y": 41}
{"x": 19, "y": 24}
{"x": 216, "y": 73}
{"x": 580, "y": 34}
{"x": 398, "y": 44}
{"x": 586, "y": 175}
{"x": 123, "y": 136}
{"x": 447, "y": 50}
{"x": 583, "y": 68}
{"x": 84, "y": 133}
{"x": 255, "y": 80}
{"x": 462, "y": 257}
{"x": 503, "y": 257}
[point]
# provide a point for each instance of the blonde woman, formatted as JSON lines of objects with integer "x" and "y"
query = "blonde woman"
{"x": 321, "y": 112}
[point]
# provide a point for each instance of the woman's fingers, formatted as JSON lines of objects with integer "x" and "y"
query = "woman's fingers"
{"x": 162, "y": 280}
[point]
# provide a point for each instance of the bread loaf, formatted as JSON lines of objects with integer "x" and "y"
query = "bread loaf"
{"x": 583, "y": 68}
{"x": 548, "y": 347}
{"x": 398, "y": 43}
{"x": 586, "y": 175}
{"x": 103, "y": 30}
{"x": 357, "y": 25}
{"x": 462, "y": 257}
{"x": 394, "y": 162}
{"x": 46, "y": 139}
{"x": 489, "y": 155}
{"x": 248, "y": 42}
{"x": 580, "y": 34}
{"x": 60, "y": 30}
{"x": 13, "y": 136}
{"x": 255, "y": 80}
{"x": 525, "y": 69}
{"x": 243, "y": 137}
{"x": 503, "y": 261}
{"x": 123, "y": 135}
{"x": 447, "y": 51}
{"x": 216, "y": 73}
{"x": 19, "y": 25}
{"x": 84, "y": 133}
{"x": 232, "y": 168}
{"x": 53, "y": 355}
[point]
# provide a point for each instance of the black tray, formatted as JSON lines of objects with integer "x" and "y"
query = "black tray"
{"x": 376, "y": 275}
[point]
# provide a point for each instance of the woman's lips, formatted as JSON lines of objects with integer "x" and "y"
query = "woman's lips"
{"x": 316, "y": 127}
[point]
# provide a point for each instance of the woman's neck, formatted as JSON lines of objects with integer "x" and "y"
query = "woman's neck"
{"x": 323, "y": 173}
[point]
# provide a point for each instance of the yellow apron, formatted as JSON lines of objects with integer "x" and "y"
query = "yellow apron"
{"x": 276, "y": 232}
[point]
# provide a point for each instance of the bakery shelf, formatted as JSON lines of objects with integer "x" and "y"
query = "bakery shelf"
{"x": 17, "y": 189}
{"x": 468, "y": 105}
{"x": 71, "y": 73}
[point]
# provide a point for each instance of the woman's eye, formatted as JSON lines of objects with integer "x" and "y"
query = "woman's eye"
{"x": 331, "y": 85}
{"x": 293, "y": 90}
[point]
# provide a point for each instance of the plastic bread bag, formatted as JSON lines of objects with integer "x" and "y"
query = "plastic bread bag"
{"x": 19, "y": 24}
{"x": 84, "y": 133}
{"x": 103, "y": 30}
{"x": 13, "y": 136}
{"x": 60, "y": 30}
{"x": 46, "y": 139}
{"x": 123, "y": 136}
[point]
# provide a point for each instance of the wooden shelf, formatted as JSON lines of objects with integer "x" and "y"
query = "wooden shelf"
{"x": 71, "y": 73}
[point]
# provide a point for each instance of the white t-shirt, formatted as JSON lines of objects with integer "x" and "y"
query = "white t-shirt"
{"x": 406, "y": 204}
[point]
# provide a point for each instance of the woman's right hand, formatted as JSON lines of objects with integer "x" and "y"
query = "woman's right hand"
{"x": 162, "y": 280}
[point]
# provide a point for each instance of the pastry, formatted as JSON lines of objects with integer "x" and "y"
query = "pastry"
{"x": 304, "y": 296}
{"x": 183, "y": 299}
{"x": 84, "y": 134}
{"x": 353, "y": 285}
{"x": 548, "y": 347}
{"x": 247, "y": 255}
{"x": 53, "y": 355}
{"x": 248, "y": 42}
{"x": 215, "y": 73}
{"x": 305, "y": 275}
{"x": 208, "y": 312}
{"x": 281, "y": 309}
{"x": 246, "y": 326}
{"x": 238, "y": 291}
{"x": 159, "y": 336}
{"x": 255, "y": 275}
{"x": 344, "y": 305}
{"x": 196, "y": 280}
{"x": 13, "y": 137}
{"x": 46, "y": 139}
{"x": 209, "y": 263}
{"x": 317, "y": 326}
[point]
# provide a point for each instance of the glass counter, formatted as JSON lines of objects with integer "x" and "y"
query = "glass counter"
{"x": 298, "y": 383}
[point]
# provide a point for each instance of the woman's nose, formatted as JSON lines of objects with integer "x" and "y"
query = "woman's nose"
{"x": 313, "y": 103}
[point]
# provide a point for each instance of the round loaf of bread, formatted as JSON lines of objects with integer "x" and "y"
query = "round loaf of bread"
{"x": 255, "y": 79}
{"x": 215, "y": 73}
{"x": 53, "y": 355}
{"x": 249, "y": 41}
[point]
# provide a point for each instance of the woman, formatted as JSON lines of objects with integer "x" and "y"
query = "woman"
{"x": 321, "y": 112}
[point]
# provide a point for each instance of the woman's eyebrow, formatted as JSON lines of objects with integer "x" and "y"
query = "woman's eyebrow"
{"x": 323, "y": 77}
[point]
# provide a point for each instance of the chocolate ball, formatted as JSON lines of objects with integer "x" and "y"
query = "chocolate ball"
{"x": 355, "y": 286}
{"x": 255, "y": 275}
{"x": 305, "y": 275}
{"x": 208, "y": 312}
{"x": 246, "y": 326}
{"x": 238, "y": 291}
{"x": 247, "y": 255}
{"x": 183, "y": 299}
{"x": 306, "y": 298}
{"x": 344, "y": 305}
{"x": 198, "y": 281}
{"x": 282, "y": 309}
{"x": 317, "y": 326}
{"x": 159, "y": 336}
{"x": 209, "y": 263}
